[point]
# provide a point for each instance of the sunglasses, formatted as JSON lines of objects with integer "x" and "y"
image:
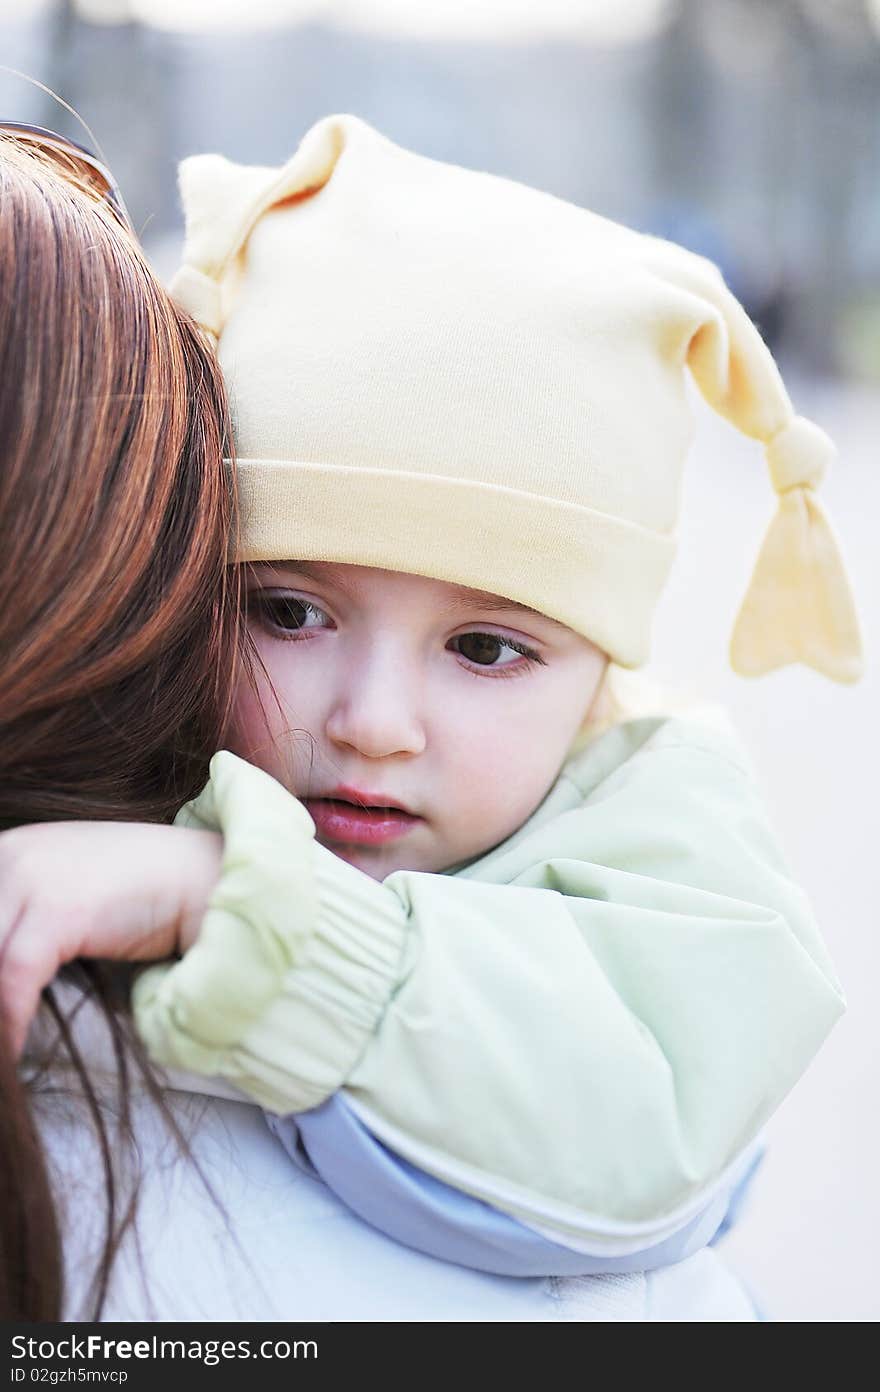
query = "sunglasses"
{"x": 73, "y": 160}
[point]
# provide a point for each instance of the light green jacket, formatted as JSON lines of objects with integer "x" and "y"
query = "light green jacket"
{"x": 585, "y": 1027}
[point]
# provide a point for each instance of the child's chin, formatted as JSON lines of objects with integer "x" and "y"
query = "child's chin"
{"x": 377, "y": 861}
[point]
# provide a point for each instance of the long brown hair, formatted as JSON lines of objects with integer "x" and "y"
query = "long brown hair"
{"x": 117, "y": 617}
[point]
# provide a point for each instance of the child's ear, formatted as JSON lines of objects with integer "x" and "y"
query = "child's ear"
{"x": 601, "y": 712}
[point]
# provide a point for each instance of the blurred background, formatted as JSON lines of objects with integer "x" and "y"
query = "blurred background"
{"x": 749, "y": 130}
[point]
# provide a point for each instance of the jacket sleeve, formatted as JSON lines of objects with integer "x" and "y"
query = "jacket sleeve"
{"x": 587, "y": 1043}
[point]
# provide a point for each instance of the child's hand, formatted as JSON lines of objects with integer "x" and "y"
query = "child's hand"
{"x": 130, "y": 891}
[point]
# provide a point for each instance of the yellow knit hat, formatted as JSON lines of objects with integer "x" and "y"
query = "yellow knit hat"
{"x": 443, "y": 372}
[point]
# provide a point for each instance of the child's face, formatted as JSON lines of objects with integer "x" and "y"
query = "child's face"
{"x": 420, "y": 722}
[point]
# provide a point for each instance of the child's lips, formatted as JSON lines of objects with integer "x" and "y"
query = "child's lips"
{"x": 357, "y": 825}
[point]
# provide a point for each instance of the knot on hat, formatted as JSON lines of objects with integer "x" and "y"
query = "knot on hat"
{"x": 200, "y": 296}
{"x": 799, "y": 455}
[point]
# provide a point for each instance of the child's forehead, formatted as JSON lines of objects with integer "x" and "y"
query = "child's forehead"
{"x": 361, "y": 580}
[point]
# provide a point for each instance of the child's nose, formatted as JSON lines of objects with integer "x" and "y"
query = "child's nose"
{"x": 376, "y": 714}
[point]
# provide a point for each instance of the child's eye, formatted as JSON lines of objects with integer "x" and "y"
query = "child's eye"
{"x": 279, "y": 610}
{"x": 491, "y": 650}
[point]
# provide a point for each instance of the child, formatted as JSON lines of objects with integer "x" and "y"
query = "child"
{"x": 533, "y": 989}
{"x": 442, "y": 375}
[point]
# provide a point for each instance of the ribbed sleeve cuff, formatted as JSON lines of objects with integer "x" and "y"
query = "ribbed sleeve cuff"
{"x": 297, "y": 958}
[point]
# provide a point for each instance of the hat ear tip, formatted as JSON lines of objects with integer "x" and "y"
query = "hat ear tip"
{"x": 845, "y": 669}
{"x": 747, "y": 659}
{"x": 197, "y": 173}
{"x": 211, "y": 187}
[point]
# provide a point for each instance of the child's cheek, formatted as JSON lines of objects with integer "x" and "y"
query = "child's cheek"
{"x": 253, "y": 731}
{"x": 502, "y": 782}
{"x": 247, "y": 710}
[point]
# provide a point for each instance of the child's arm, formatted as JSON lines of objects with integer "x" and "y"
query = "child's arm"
{"x": 137, "y": 892}
{"x": 126, "y": 891}
{"x": 587, "y": 1043}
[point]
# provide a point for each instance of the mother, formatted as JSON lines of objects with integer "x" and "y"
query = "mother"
{"x": 115, "y": 617}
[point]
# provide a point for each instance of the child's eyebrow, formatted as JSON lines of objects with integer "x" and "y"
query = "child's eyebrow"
{"x": 480, "y": 599}
{"x": 477, "y": 599}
